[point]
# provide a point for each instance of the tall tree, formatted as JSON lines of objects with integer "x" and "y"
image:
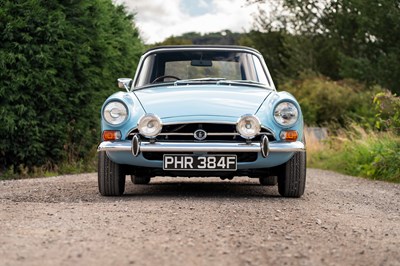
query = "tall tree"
{"x": 349, "y": 38}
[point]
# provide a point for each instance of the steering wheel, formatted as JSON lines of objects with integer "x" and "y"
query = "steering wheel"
{"x": 164, "y": 77}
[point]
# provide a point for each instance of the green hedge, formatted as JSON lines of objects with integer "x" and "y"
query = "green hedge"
{"x": 58, "y": 62}
{"x": 333, "y": 103}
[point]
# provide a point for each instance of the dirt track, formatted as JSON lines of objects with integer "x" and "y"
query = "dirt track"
{"x": 340, "y": 220}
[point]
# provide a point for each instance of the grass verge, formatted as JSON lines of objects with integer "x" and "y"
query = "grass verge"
{"x": 72, "y": 166}
{"x": 356, "y": 152}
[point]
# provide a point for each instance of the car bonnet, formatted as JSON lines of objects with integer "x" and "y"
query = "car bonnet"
{"x": 201, "y": 100}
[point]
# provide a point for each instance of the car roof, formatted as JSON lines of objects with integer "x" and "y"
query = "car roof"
{"x": 199, "y": 47}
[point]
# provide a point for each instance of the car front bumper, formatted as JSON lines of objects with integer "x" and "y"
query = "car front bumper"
{"x": 132, "y": 152}
{"x": 136, "y": 148}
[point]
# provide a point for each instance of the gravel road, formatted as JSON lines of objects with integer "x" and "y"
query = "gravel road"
{"x": 341, "y": 220}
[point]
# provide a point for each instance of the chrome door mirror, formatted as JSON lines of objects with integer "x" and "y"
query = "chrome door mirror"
{"x": 125, "y": 83}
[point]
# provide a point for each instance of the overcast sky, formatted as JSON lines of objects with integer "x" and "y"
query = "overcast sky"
{"x": 160, "y": 19}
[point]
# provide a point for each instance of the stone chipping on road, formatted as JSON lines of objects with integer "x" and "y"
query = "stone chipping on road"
{"x": 340, "y": 220}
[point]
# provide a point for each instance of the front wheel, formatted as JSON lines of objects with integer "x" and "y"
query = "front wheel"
{"x": 292, "y": 176}
{"x": 111, "y": 178}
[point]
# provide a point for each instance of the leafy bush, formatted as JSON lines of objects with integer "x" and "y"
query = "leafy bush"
{"x": 387, "y": 108}
{"x": 327, "y": 102}
{"x": 58, "y": 61}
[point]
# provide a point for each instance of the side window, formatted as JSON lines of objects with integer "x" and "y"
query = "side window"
{"x": 261, "y": 76}
{"x": 145, "y": 72}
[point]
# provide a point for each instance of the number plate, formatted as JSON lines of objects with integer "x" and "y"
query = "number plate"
{"x": 192, "y": 162}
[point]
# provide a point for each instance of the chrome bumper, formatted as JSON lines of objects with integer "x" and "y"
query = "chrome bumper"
{"x": 264, "y": 147}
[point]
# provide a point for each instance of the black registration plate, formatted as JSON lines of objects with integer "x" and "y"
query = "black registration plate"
{"x": 192, "y": 162}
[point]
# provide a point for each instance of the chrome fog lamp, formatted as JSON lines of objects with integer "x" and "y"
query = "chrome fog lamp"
{"x": 248, "y": 126}
{"x": 286, "y": 114}
{"x": 115, "y": 113}
{"x": 149, "y": 125}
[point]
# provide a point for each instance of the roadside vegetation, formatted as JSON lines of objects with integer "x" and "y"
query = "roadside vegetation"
{"x": 362, "y": 149}
{"x": 363, "y": 125}
{"x": 59, "y": 61}
{"x": 357, "y": 152}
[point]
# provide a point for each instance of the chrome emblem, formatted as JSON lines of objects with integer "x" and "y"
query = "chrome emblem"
{"x": 200, "y": 134}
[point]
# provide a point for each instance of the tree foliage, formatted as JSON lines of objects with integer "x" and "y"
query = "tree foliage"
{"x": 58, "y": 61}
{"x": 339, "y": 38}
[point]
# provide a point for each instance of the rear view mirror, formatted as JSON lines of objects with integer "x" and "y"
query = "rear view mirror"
{"x": 201, "y": 63}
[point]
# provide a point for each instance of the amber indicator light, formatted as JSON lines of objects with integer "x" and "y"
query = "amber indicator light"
{"x": 111, "y": 135}
{"x": 290, "y": 135}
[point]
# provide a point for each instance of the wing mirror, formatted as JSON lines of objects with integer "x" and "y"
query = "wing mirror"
{"x": 125, "y": 83}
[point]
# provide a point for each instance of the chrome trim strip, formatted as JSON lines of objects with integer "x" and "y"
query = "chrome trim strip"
{"x": 201, "y": 147}
{"x": 221, "y": 134}
{"x": 208, "y": 134}
{"x": 175, "y": 134}
{"x": 201, "y": 122}
{"x": 268, "y": 133}
{"x": 191, "y": 134}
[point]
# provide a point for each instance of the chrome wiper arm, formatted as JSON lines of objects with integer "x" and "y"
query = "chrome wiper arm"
{"x": 242, "y": 82}
{"x": 199, "y": 80}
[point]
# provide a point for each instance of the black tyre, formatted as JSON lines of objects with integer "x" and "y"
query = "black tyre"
{"x": 111, "y": 178}
{"x": 268, "y": 180}
{"x": 140, "y": 180}
{"x": 292, "y": 176}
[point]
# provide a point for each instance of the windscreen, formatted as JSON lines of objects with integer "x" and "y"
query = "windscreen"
{"x": 169, "y": 66}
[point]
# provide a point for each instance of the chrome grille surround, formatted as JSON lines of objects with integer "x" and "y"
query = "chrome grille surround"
{"x": 215, "y": 132}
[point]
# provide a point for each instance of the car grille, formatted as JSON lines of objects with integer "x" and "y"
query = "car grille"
{"x": 215, "y": 133}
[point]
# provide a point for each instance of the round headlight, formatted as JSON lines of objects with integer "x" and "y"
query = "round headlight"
{"x": 286, "y": 114}
{"x": 149, "y": 125}
{"x": 115, "y": 113}
{"x": 248, "y": 126}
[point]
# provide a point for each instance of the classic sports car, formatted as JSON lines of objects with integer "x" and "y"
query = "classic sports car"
{"x": 200, "y": 111}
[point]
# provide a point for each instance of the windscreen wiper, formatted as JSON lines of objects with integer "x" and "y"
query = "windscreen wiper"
{"x": 241, "y": 82}
{"x": 195, "y": 81}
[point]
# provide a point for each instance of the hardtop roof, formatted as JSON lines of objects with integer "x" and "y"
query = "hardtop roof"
{"x": 196, "y": 47}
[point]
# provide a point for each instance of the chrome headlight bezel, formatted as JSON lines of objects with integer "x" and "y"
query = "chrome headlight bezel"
{"x": 286, "y": 113}
{"x": 248, "y": 126}
{"x": 115, "y": 113}
{"x": 149, "y": 125}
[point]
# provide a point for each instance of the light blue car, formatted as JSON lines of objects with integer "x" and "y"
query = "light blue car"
{"x": 199, "y": 111}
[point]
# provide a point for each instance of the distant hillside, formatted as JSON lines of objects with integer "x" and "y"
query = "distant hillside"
{"x": 225, "y": 37}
